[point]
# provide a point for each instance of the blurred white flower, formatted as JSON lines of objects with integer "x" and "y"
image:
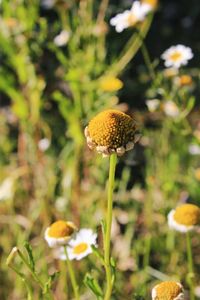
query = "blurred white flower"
{"x": 171, "y": 109}
{"x": 78, "y": 247}
{"x": 44, "y": 144}
{"x": 176, "y": 56}
{"x": 194, "y": 149}
{"x": 184, "y": 218}
{"x": 129, "y": 18}
{"x": 62, "y": 38}
{"x": 7, "y": 189}
{"x": 152, "y": 104}
{"x": 47, "y": 4}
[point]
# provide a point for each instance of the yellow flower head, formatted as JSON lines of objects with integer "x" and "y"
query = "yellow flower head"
{"x": 110, "y": 84}
{"x": 184, "y": 80}
{"x": 111, "y": 131}
{"x": 59, "y": 233}
{"x": 168, "y": 290}
{"x": 184, "y": 218}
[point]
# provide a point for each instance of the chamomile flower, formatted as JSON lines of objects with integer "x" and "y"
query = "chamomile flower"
{"x": 131, "y": 17}
{"x": 78, "y": 247}
{"x": 184, "y": 218}
{"x": 177, "y": 56}
{"x": 59, "y": 233}
{"x": 7, "y": 189}
{"x": 168, "y": 290}
{"x": 62, "y": 38}
{"x": 171, "y": 109}
{"x": 194, "y": 149}
{"x": 111, "y": 131}
{"x": 152, "y": 104}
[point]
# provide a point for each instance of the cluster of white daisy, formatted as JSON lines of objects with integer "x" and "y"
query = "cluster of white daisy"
{"x": 131, "y": 17}
{"x": 64, "y": 234}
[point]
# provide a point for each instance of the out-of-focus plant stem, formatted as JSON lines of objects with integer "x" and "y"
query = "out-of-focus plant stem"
{"x": 72, "y": 276}
{"x": 131, "y": 48}
{"x": 107, "y": 240}
{"x": 190, "y": 266}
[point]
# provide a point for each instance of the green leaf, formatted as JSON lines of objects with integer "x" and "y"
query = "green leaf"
{"x": 30, "y": 255}
{"x": 50, "y": 281}
{"x": 98, "y": 254}
{"x": 93, "y": 285}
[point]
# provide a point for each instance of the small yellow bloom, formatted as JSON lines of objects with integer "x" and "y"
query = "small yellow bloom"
{"x": 197, "y": 174}
{"x": 184, "y": 80}
{"x": 110, "y": 84}
{"x": 184, "y": 218}
{"x": 59, "y": 233}
{"x": 111, "y": 131}
{"x": 168, "y": 290}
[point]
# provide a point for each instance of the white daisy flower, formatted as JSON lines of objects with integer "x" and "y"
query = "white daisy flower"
{"x": 173, "y": 290}
{"x": 80, "y": 246}
{"x": 43, "y": 144}
{"x": 184, "y": 218}
{"x": 152, "y": 104}
{"x": 7, "y": 189}
{"x": 59, "y": 233}
{"x": 176, "y": 56}
{"x": 47, "y": 4}
{"x": 129, "y": 18}
{"x": 171, "y": 109}
{"x": 194, "y": 149}
{"x": 62, "y": 38}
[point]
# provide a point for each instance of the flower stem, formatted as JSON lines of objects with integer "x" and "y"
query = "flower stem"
{"x": 72, "y": 276}
{"x": 109, "y": 280}
{"x": 190, "y": 266}
{"x": 131, "y": 48}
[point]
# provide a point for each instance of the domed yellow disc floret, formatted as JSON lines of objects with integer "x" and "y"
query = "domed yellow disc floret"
{"x": 61, "y": 229}
{"x": 187, "y": 214}
{"x": 111, "y": 131}
{"x": 168, "y": 290}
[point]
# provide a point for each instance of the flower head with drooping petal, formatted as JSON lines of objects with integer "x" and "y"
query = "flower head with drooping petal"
{"x": 177, "y": 56}
{"x": 80, "y": 246}
{"x": 184, "y": 218}
{"x": 59, "y": 233}
{"x": 111, "y": 131}
{"x": 131, "y": 17}
{"x": 168, "y": 290}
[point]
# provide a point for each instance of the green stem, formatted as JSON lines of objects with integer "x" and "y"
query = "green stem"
{"x": 147, "y": 61}
{"x": 109, "y": 280}
{"x": 190, "y": 266}
{"x": 35, "y": 276}
{"x": 131, "y": 48}
{"x": 72, "y": 276}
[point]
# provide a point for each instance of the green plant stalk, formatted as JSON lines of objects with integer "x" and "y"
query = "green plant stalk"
{"x": 72, "y": 276}
{"x": 35, "y": 276}
{"x": 131, "y": 48}
{"x": 147, "y": 61}
{"x": 190, "y": 266}
{"x": 109, "y": 281}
